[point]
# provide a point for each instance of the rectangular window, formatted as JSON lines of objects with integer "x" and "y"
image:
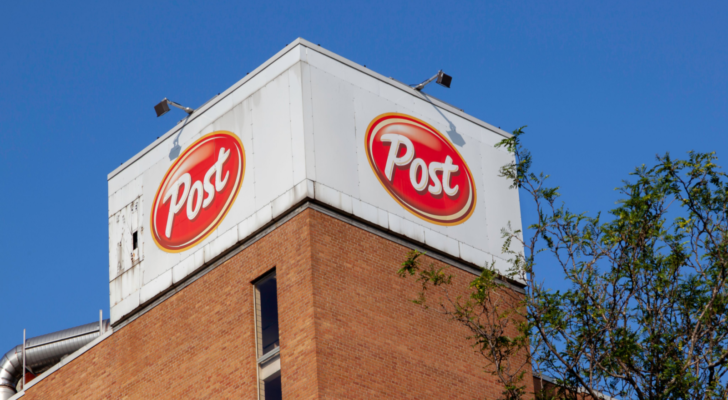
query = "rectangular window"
{"x": 268, "y": 343}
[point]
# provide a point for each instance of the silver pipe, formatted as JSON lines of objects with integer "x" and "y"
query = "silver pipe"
{"x": 42, "y": 352}
{"x": 23, "y": 373}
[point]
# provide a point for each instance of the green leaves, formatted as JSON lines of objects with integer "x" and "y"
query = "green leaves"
{"x": 493, "y": 315}
{"x": 645, "y": 311}
{"x": 517, "y": 170}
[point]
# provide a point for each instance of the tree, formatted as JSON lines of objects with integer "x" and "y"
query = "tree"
{"x": 644, "y": 314}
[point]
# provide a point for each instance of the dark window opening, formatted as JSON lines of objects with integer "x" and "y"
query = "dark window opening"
{"x": 134, "y": 241}
{"x": 272, "y": 388}
{"x": 268, "y": 303}
{"x": 266, "y": 321}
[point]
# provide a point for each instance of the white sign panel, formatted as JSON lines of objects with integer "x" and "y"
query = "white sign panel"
{"x": 306, "y": 124}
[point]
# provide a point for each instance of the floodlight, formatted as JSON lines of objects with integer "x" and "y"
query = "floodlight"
{"x": 442, "y": 79}
{"x": 163, "y": 107}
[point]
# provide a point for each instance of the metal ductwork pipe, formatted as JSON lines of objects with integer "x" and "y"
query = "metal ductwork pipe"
{"x": 43, "y": 352}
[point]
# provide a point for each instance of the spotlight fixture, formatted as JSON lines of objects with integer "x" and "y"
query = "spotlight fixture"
{"x": 442, "y": 79}
{"x": 163, "y": 107}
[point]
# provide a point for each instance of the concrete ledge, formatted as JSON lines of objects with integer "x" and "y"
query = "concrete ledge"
{"x": 369, "y": 226}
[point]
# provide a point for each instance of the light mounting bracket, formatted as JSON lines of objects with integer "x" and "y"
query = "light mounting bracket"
{"x": 443, "y": 79}
{"x": 163, "y": 107}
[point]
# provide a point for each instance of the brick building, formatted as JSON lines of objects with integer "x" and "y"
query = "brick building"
{"x": 253, "y": 248}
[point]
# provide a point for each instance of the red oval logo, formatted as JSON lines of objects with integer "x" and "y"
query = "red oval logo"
{"x": 197, "y": 191}
{"x": 420, "y": 169}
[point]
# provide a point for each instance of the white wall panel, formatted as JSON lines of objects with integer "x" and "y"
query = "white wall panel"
{"x": 490, "y": 139}
{"x": 155, "y": 286}
{"x": 124, "y": 177}
{"x": 368, "y": 106}
{"x": 502, "y": 204}
{"x": 272, "y": 147}
{"x": 298, "y": 147}
{"x": 472, "y": 231}
{"x": 239, "y": 121}
{"x": 308, "y": 134}
{"x": 395, "y": 223}
{"x": 156, "y": 261}
{"x": 124, "y": 307}
{"x": 334, "y": 135}
{"x": 165, "y": 149}
{"x": 365, "y": 211}
{"x": 288, "y": 199}
{"x": 382, "y": 218}
{"x": 442, "y": 242}
{"x": 196, "y": 124}
{"x": 122, "y": 197}
{"x": 126, "y": 284}
{"x": 395, "y": 95}
{"x": 123, "y": 225}
{"x": 412, "y": 230}
{"x": 302, "y": 120}
{"x": 247, "y": 227}
{"x": 263, "y": 216}
{"x": 328, "y": 195}
{"x": 213, "y": 114}
{"x": 343, "y": 72}
{"x": 473, "y": 255}
{"x": 460, "y": 131}
{"x": 225, "y": 241}
{"x": 264, "y": 76}
{"x": 347, "y": 205}
{"x": 467, "y": 137}
{"x": 184, "y": 268}
{"x": 501, "y": 264}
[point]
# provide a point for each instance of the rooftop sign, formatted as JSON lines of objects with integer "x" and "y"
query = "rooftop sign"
{"x": 197, "y": 191}
{"x": 307, "y": 124}
{"x": 420, "y": 169}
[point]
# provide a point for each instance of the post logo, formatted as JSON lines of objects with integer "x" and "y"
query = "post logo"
{"x": 420, "y": 169}
{"x": 197, "y": 191}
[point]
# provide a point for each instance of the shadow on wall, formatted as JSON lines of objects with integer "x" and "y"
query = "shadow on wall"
{"x": 455, "y": 137}
{"x": 176, "y": 148}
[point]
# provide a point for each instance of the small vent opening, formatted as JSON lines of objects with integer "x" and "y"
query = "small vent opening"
{"x": 134, "y": 241}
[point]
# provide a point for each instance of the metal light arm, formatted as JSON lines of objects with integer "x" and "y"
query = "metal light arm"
{"x": 180, "y": 106}
{"x": 423, "y": 84}
{"x": 163, "y": 107}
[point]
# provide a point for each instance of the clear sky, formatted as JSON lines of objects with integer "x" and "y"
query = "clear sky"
{"x": 602, "y": 86}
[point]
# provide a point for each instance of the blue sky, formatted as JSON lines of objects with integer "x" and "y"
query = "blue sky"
{"x": 603, "y": 87}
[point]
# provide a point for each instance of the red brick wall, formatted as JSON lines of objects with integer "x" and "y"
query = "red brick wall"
{"x": 347, "y": 330}
{"x": 372, "y": 342}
